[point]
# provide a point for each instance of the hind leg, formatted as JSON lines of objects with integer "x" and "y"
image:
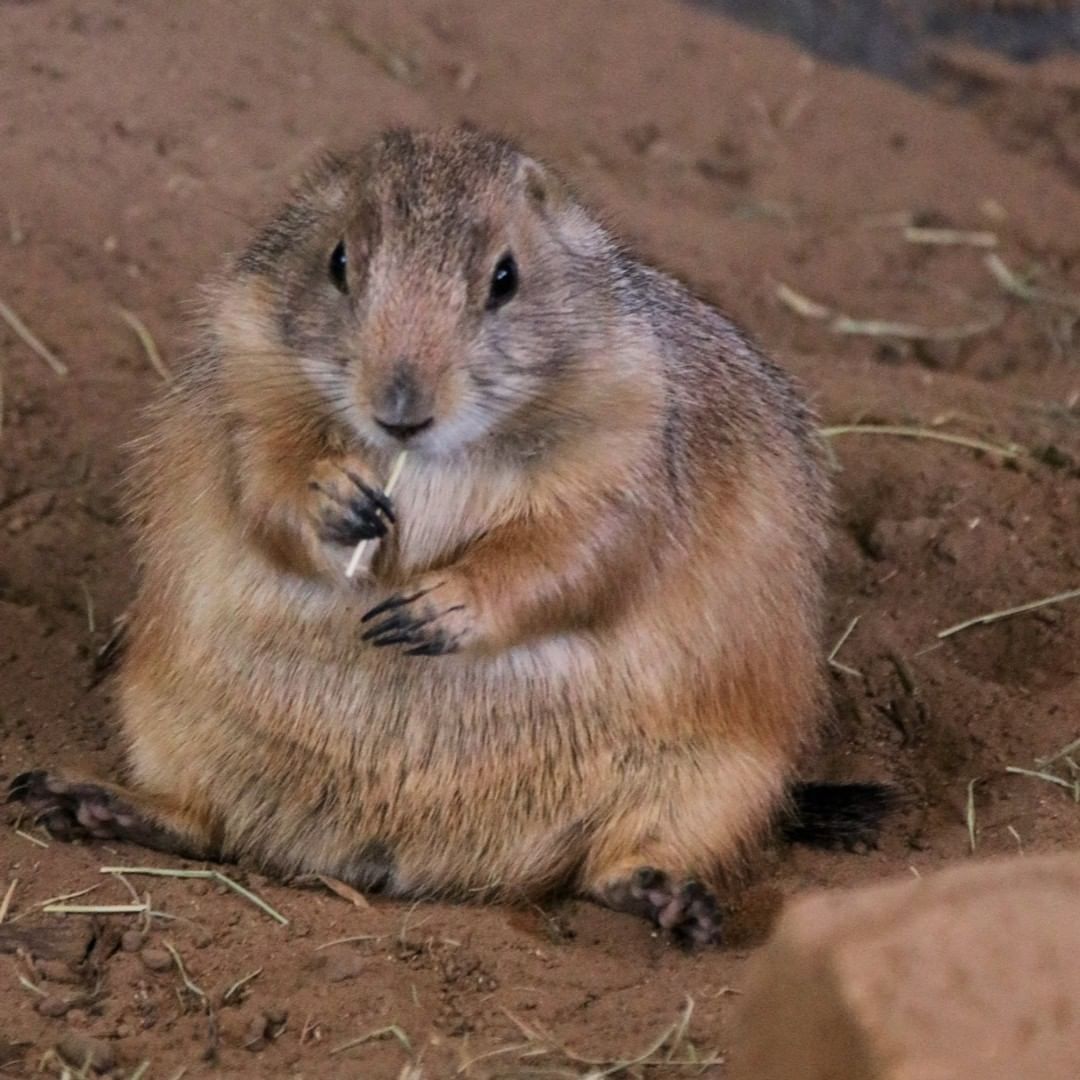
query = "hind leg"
{"x": 672, "y": 835}
{"x": 88, "y": 810}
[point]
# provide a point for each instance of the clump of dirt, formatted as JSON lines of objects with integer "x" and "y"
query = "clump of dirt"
{"x": 140, "y": 141}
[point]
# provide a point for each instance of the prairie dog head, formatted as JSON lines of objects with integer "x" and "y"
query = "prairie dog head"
{"x": 432, "y": 291}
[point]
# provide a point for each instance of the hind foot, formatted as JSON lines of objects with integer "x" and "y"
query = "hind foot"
{"x": 82, "y": 810}
{"x": 688, "y": 911}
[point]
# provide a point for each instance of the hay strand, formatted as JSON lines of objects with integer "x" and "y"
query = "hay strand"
{"x": 146, "y": 340}
{"x": 362, "y": 549}
{"x": 913, "y": 234}
{"x": 32, "y": 341}
{"x": 1005, "y": 613}
{"x": 205, "y": 875}
{"x": 901, "y": 431}
{"x": 5, "y": 904}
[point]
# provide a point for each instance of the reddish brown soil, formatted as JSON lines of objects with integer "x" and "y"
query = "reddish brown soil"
{"x": 139, "y": 140}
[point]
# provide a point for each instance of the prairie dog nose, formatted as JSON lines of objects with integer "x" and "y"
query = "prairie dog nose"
{"x": 401, "y": 407}
{"x": 404, "y": 432}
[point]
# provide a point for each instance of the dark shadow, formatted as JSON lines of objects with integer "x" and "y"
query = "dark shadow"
{"x": 889, "y": 37}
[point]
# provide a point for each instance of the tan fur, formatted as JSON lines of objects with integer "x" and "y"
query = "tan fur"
{"x": 634, "y": 544}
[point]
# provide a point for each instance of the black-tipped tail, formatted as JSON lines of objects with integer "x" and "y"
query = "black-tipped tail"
{"x": 847, "y": 816}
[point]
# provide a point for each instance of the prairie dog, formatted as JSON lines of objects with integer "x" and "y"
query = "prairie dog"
{"x": 587, "y": 656}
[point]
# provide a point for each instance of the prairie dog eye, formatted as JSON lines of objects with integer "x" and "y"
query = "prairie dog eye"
{"x": 504, "y": 282}
{"x": 338, "y": 267}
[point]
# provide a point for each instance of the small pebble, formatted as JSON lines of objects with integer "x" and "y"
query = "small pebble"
{"x": 53, "y": 1005}
{"x": 255, "y": 1034}
{"x": 132, "y": 941}
{"x": 276, "y": 1017}
{"x": 77, "y": 1017}
{"x": 78, "y": 1050}
{"x": 202, "y": 937}
{"x": 344, "y": 964}
{"x": 156, "y": 959}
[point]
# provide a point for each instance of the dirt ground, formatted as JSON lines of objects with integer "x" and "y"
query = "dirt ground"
{"x": 139, "y": 141}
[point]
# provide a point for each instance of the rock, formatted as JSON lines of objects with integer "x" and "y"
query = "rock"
{"x": 970, "y": 973}
{"x": 80, "y": 1050}
{"x": 132, "y": 941}
{"x": 156, "y": 959}
{"x": 63, "y": 939}
{"x": 53, "y": 1005}
{"x": 255, "y": 1034}
{"x": 344, "y": 963}
{"x": 201, "y": 937}
{"x": 276, "y": 1017}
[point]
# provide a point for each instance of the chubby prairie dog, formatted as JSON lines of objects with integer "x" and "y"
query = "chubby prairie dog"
{"x": 587, "y": 655}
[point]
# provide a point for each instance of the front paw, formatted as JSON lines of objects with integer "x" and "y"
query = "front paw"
{"x": 434, "y": 618}
{"x": 345, "y": 508}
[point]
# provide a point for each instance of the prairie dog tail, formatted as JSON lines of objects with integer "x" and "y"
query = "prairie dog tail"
{"x": 847, "y": 816}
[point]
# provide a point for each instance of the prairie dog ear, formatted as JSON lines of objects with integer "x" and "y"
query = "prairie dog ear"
{"x": 542, "y": 187}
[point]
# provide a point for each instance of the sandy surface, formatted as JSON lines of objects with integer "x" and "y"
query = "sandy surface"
{"x": 138, "y": 143}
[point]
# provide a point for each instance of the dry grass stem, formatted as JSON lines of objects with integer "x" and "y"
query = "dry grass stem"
{"x": 365, "y": 546}
{"x": 845, "y": 324}
{"x": 32, "y": 987}
{"x": 994, "y": 616}
{"x": 239, "y": 985}
{"x": 800, "y": 304}
{"x": 379, "y": 1033}
{"x": 1064, "y": 752}
{"x": 33, "y": 839}
{"x": 146, "y": 340}
{"x": 5, "y": 904}
{"x": 346, "y": 892}
{"x": 94, "y": 909}
{"x": 680, "y": 1052}
{"x": 1072, "y": 786}
{"x": 950, "y": 237}
{"x": 839, "y": 323}
{"x": 970, "y": 814}
{"x": 193, "y": 988}
{"x": 1016, "y": 286}
{"x": 58, "y": 899}
{"x": 346, "y": 940}
{"x": 32, "y": 341}
{"x": 205, "y": 875}
{"x": 840, "y": 644}
{"x": 903, "y": 432}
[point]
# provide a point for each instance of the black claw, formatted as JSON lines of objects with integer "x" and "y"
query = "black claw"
{"x": 353, "y": 529}
{"x": 23, "y": 784}
{"x": 391, "y": 602}
{"x": 694, "y": 890}
{"x": 400, "y": 621}
{"x": 648, "y": 878}
{"x": 432, "y": 648}
{"x": 407, "y": 638}
{"x": 357, "y": 517}
{"x": 379, "y": 498}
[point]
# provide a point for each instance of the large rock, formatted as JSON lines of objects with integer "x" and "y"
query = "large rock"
{"x": 973, "y": 974}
